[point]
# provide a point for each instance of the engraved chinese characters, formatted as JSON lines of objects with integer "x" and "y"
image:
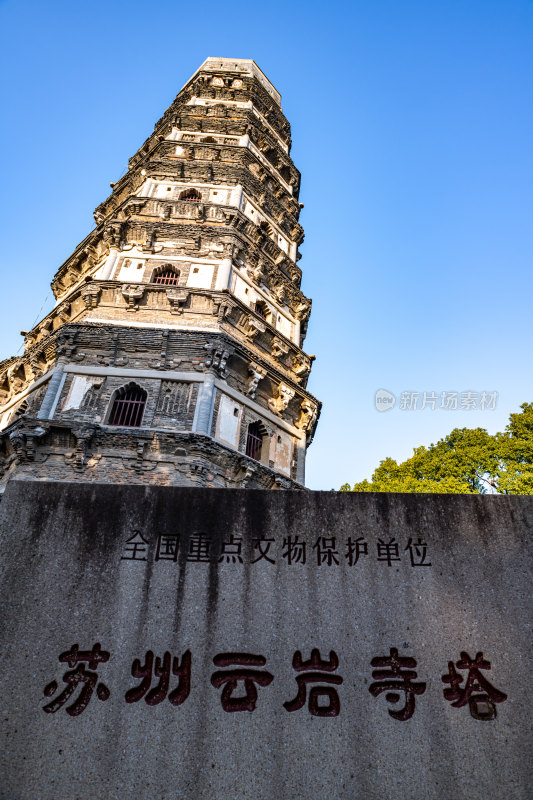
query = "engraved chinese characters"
{"x": 231, "y": 677}
{"x": 161, "y": 670}
{"x": 239, "y": 675}
{"x": 87, "y": 678}
{"x": 326, "y": 551}
{"x": 477, "y": 691}
{"x": 316, "y": 670}
{"x": 396, "y": 674}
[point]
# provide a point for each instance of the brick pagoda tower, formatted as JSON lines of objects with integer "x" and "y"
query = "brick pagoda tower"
{"x": 174, "y": 353}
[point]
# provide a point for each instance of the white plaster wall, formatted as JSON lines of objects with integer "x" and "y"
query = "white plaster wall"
{"x": 105, "y": 271}
{"x": 284, "y": 326}
{"x": 225, "y": 195}
{"x": 281, "y": 451}
{"x": 249, "y": 296}
{"x": 219, "y": 196}
{"x": 164, "y": 190}
{"x": 201, "y": 276}
{"x": 200, "y": 101}
{"x": 174, "y": 134}
{"x": 283, "y": 244}
{"x": 131, "y": 271}
{"x": 236, "y": 196}
{"x": 229, "y": 421}
{"x": 242, "y": 291}
{"x": 223, "y": 275}
{"x": 78, "y": 389}
{"x": 251, "y": 213}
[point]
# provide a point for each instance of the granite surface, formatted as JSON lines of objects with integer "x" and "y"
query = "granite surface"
{"x": 237, "y": 631}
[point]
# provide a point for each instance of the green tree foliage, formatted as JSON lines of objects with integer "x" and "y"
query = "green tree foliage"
{"x": 467, "y": 461}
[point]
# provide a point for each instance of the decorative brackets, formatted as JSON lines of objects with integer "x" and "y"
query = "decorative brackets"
{"x": 132, "y": 294}
{"x": 257, "y": 374}
{"x": 278, "y": 347}
{"x": 177, "y": 299}
{"x": 253, "y": 327}
{"x": 302, "y": 310}
{"x": 217, "y": 358}
{"x": 308, "y": 412}
{"x": 301, "y": 366}
{"x": 90, "y": 295}
{"x": 246, "y": 471}
{"x": 279, "y": 404}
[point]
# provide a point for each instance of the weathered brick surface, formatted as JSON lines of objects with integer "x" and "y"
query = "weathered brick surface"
{"x": 175, "y": 405}
{"x": 95, "y": 454}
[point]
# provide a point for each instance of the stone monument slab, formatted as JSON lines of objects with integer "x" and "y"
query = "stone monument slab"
{"x": 198, "y": 643}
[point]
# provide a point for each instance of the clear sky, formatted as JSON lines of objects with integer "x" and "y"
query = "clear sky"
{"x": 412, "y": 127}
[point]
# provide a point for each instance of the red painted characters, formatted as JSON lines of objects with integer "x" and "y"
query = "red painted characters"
{"x": 78, "y": 676}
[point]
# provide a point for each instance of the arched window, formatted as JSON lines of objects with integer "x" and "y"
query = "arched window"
{"x": 128, "y": 406}
{"x": 166, "y": 274}
{"x": 191, "y": 195}
{"x": 209, "y": 140}
{"x": 254, "y": 440}
{"x": 266, "y": 228}
{"x": 262, "y": 309}
{"x": 272, "y": 156}
{"x": 285, "y": 174}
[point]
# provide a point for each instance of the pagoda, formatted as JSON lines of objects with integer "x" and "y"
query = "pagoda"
{"x": 173, "y": 355}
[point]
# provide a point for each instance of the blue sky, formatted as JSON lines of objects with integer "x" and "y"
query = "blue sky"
{"x": 412, "y": 127}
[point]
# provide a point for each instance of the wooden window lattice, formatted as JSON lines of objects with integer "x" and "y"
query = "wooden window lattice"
{"x": 168, "y": 277}
{"x": 254, "y": 441}
{"x": 192, "y": 195}
{"x": 128, "y": 407}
